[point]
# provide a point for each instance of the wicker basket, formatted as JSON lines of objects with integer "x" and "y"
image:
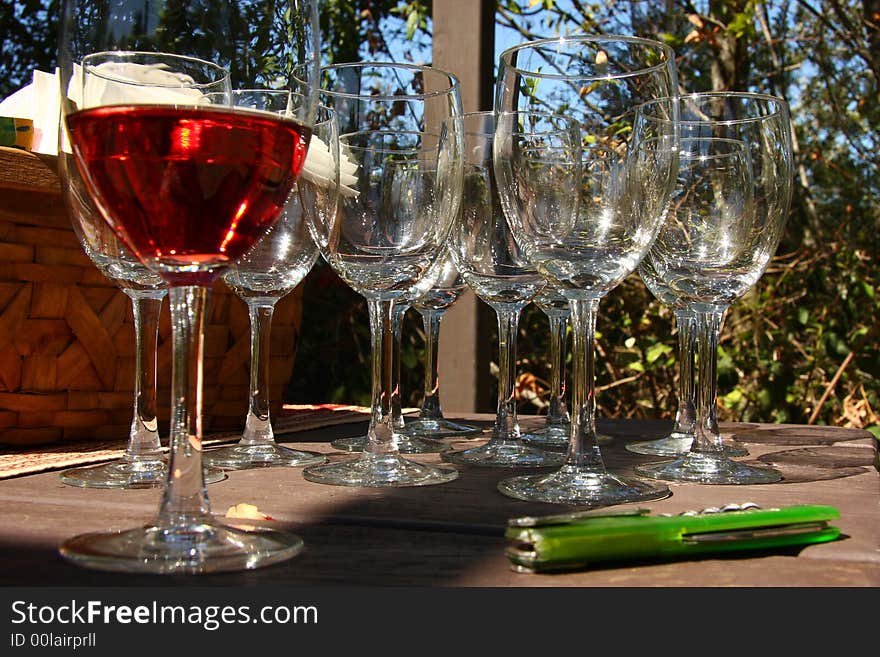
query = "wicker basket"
{"x": 67, "y": 348}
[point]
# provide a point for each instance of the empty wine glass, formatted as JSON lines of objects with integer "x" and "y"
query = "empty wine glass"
{"x": 432, "y": 306}
{"x": 711, "y": 249}
{"x": 143, "y": 465}
{"x": 270, "y": 271}
{"x": 622, "y": 189}
{"x": 491, "y": 262}
{"x": 189, "y": 188}
{"x": 406, "y": 443}
{"x": 679, "y": 440}
{"x": 557, "y": 423}
{"x": 387, "y": 237}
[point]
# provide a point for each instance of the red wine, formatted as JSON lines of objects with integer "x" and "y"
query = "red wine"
{"x": 189, "y": 190}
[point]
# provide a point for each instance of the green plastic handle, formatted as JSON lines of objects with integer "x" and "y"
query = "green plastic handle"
{"x": 579, "y": 542}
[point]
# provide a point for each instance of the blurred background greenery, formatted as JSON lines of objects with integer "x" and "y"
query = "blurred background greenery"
{"x": 801, "y": 347}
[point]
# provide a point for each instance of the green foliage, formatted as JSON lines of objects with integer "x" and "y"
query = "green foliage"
{"x": 415, "y": 14}
{"x": 803, "y": 345}
{"x": 389, "y": 30}
{"x": 741, "y": 24}
{"x": 29, "y": 29}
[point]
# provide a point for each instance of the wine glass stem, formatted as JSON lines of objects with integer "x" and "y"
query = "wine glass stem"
{"x": 431, "y": 402}
{"x": 258, "y": 424}
{"x": 144, "y": 435}
{"x": 185, "y": 499}
{"x": 506, "y": 423}
{"x": 583, "y": 449}
{"x": 557, "y": 413}
{"x": 399, "y": 311}
{"x": 685, "y": 417}
{"x": 381, "y": 436}
{"x": 707, "y": 439}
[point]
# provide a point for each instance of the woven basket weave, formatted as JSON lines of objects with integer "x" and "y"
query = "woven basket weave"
{"x": 67, "y": 348}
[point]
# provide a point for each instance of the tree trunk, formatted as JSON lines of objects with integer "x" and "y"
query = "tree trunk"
{"x": 730, "y": 65}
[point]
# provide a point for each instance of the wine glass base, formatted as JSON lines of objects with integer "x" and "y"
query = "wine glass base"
{"x": 379, "y": 471}
{"x": 550, "y": 435}
{"x": 708, "y": 469}
{"x": 203, "y": 548}
{"x": 505, "y": 454}
{"x": 128, "y": 474}
{"x": 246, "y": 457}
{"x": 582, "y": 487}
{"x": 677, "y": 444}
{"x": 439, "y": 429}
{"x": 405, "y": 444}
{"x": 557, "y": 436}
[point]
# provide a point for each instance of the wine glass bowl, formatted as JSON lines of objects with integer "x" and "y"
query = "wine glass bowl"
{"x": 120, "y": 77}
{"x": 182, "y": 245}
{"x": 189, "y": 189}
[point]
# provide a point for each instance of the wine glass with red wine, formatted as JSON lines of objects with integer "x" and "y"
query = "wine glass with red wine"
{"x": 189, "y": 188}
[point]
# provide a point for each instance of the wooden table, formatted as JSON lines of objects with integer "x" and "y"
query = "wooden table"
{"x": 451, "y": 535}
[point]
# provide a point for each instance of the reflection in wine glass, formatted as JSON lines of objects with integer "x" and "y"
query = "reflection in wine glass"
{"x": 189, "y": 189}
{"x": 271, "y": 270}
{"x": 732, "y": 196}
{"x": 557, "y": 423}
{"x": 623, "y": 187}
{"x": 386, "y": 239}
{"x": 491, "y": 262}
{"x": 432, "y": 306}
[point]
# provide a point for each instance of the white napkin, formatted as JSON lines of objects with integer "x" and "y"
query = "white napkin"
{"x": 39, "y": 102}
{"x": 319, "y": 168}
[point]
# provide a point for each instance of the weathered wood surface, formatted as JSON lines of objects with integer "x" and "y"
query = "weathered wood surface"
{"x": 451, "y": 535}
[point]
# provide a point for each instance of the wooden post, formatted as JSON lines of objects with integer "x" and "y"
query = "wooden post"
{"x": 464, "y": 44}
